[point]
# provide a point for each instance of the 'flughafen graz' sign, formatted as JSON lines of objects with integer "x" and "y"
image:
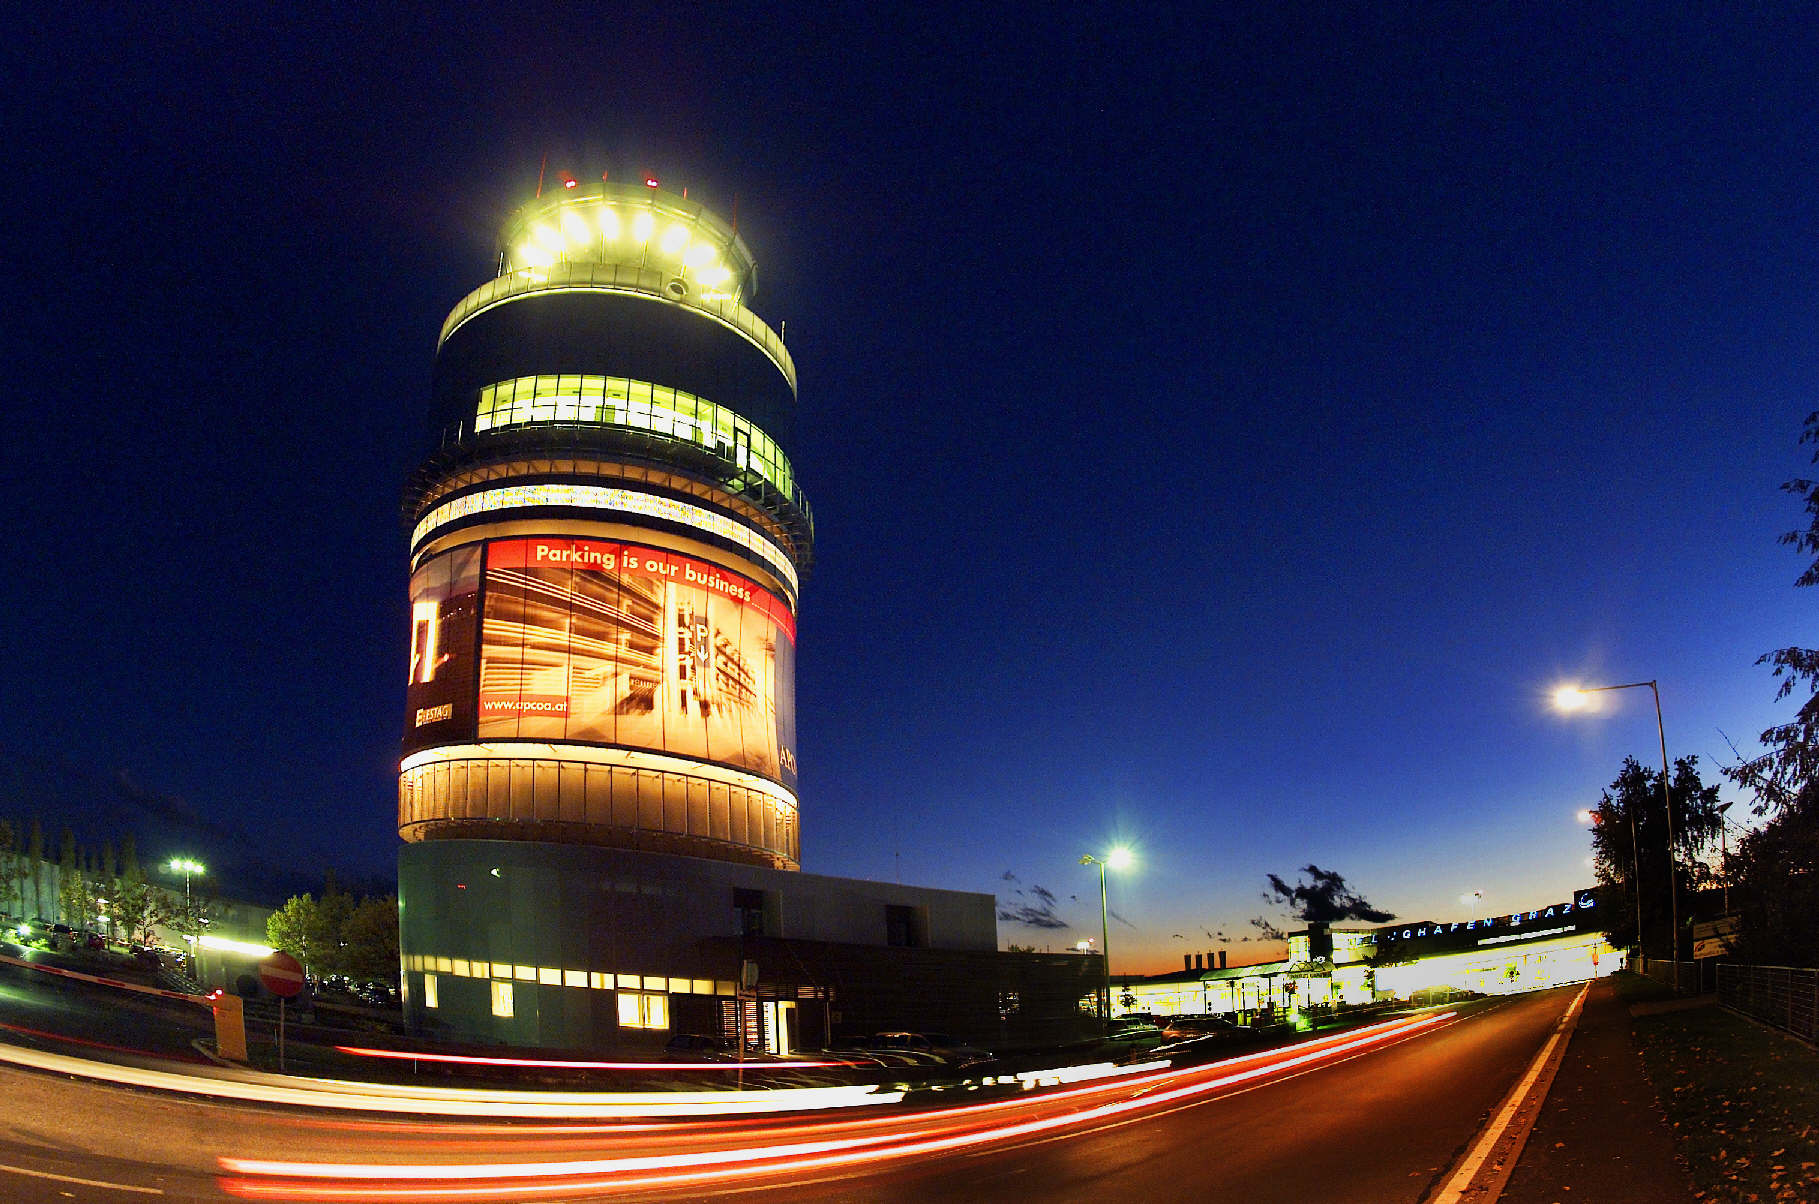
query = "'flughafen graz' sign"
{"x": 1557, "y": 919}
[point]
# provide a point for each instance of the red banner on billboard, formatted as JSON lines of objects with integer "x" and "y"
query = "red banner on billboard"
{"x": 600, "y": 556}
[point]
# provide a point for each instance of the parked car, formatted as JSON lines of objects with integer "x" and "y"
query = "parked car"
{"x": 699, "y": 1047}
{"x": 1183, "y": 1028}
{"x": 1135, "y": 1035}
{"x": 939, "y": 1047}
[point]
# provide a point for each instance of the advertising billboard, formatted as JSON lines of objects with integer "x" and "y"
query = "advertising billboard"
{"x": 439, "y": 700}
{"x": 612, "y": 643}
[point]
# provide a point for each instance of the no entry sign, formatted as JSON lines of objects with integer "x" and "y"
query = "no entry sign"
{"x": 281, "y": 974}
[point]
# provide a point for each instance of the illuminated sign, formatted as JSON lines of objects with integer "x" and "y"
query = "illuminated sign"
{"x": 610, "y": 643}
{"x": 1583, "y": 901}
{"x": 611, "y": 498}
{"x": 440, "y": 694}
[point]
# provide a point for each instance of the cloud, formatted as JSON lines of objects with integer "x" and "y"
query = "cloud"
{"x": 1033, "y": 908}
{"x": 1033, "y": 917}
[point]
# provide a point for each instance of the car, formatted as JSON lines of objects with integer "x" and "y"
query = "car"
{"x": 1183, "y": 1028}
{"x": 1135, "y": 1035}
{"x": 939, "y": 1047}
{"x": 700, "y": 1047}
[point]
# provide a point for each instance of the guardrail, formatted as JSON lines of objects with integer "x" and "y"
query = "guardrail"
{"x": 1786, "y": 997}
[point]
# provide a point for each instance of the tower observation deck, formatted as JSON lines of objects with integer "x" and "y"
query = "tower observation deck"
{"x": 607, "y": 544}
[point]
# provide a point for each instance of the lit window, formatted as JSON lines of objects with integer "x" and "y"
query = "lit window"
{"x": 429, "y": 990}
{"x": 502, "y": 998}
{"x": 639, "y": 1009}
{"x": 549, "y": 976}
{"x": 574, "y": 978}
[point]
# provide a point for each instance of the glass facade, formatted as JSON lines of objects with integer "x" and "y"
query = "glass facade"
{"x": 708, "y": 813}
{"x": 636, "y": 405}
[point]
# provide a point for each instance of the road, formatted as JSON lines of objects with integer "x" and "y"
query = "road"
{"x": 1372, "y": 1117}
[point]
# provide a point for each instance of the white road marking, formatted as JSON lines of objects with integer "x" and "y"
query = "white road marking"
{"x": 25, "y": 1170}
{"x": 1461, "y": 1180}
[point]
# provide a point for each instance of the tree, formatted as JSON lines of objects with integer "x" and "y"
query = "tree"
{"x": 67, "y": 866}
{"x": 1634, "y": 804}
{"x": 12, "y": 868}
{"x": 1324, "y": 899}
{"x": 34, "y": 866}
{"x": 295, "y": 928}
{"x": 76, "y": 896}
{"x": 1774, "y": 871}
{"x": 137, "y": 907}
{"x": 369, "y": 949}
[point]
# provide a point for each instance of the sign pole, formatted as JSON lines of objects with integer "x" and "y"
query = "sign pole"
{"x": 281, "y": 1002}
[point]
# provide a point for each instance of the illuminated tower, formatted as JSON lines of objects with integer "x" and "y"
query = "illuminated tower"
{"x": 598, "y": 787}
{"x": 606, "y": 545}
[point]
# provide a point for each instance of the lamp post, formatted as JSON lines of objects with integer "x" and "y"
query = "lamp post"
{"x": 1116, "y": 859}
{"x": 186, "y": 867}
{"x": 189, "y": 868}
{"x": 1724, "y": 857}
{"x": 1570, "y": 698}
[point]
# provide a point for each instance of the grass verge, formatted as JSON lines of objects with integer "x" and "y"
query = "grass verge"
{"x": 1743, "y": 1101}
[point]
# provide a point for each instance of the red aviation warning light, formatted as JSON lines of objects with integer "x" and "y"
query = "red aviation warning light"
{"x": 569, "y": 181}
{"x": 650, "y": 181}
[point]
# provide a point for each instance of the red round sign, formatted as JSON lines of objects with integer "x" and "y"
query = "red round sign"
{"x": 281, "y": 974}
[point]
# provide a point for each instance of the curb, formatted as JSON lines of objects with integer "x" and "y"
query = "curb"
{"x": 1479, "y": 1177}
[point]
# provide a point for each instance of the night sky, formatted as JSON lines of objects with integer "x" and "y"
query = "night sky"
{"x": 1223, "y": 430}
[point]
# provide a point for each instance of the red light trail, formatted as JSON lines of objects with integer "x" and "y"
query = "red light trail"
{"x": 708, "y": 1153}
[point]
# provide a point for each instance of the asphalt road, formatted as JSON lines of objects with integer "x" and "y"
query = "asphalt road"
{"x": 1381, "y": 1123}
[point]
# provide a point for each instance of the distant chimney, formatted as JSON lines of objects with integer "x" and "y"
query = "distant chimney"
{"x": 1187, "y": 961}
{"x": 1199, "y": 961}
{"x": 1222, "y": 959}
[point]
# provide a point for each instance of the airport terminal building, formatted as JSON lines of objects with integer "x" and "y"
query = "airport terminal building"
{"x": 1339, "y": 965}
{"x": 598, "y": 787}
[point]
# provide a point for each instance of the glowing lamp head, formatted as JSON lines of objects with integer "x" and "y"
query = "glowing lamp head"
{"x": 1118, "y": 859}
{"x": 1571, "y": 698}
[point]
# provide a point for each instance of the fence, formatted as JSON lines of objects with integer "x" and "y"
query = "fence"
{"x": 1783, "y": 996}
{"x": 1696, "y": 977}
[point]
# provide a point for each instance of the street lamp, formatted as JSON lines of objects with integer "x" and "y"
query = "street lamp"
{"x": 186, "y": 867}
{"x": 1572, "y": 698}
{"x": 189, "y": 868}
{"x": 1117, "y": 859}
{"x": 1724, "y": 857}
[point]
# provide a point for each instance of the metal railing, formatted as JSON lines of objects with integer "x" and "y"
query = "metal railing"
{"x": 626, "y": 279}
{"x": 1784, "y": 996}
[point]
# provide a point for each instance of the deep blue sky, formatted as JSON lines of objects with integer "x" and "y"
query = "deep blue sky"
{"x": 1222, "y": 430}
